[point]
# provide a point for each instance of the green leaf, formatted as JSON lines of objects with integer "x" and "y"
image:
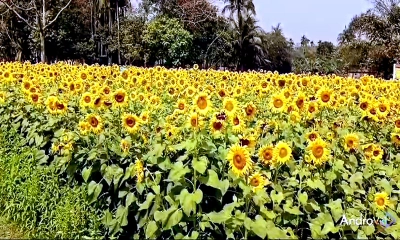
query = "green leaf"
{"x": 292, "y": 210}
{"x": 329, "y": 227}
{"x": 177, "y": 172}
{"x": 213, "y": 181}
{"x": 188, "y": 200}
{"x": 336, "y": 209}
{"x": 130, "y": 198}
{"x": 369, "y": 230}
{"x": 122, "y": 215}
{"x": 303, "y": 198}
{"x": 94, "y": 190}
{"x": 259, "y": 227}
{"x": 200, "y": 165}
{"x": 219, "y": 217}
{"x": 316, "y": 184}
{"x": 86, "y": 173}
{"x": 151, "y": 229}
{"x": 277, "y": 197}
{"x": 149, "y": 200}
{"x": 174, "y": 219}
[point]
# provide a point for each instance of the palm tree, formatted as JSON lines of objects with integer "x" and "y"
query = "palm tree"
{"x": 248, "y": 36}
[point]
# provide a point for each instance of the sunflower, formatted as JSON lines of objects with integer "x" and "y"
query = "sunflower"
{"x": 250, "y": 110}
{"x": 257, "y": 182}
{"x": 318, "y": 152}
{"x": 130, "y": 122}
{"x": 239, "y": 159}
{"x": 238, "y": 124}
{"x": 194, "y": 121}
{"x": 125, "y": 145}
{"x": 202, "y": 103}
{"x": 97, "y": 102}
{"x": 217, "y": 127}
{"x": 266, "y": 155}
{"x": 282, "y": 152}
{"x": 190, "y": 91}
{"x": 120, "y": 98}
{"x": 395, "y": 137}
{"x": 181, "y": 106}
{"x": 95, "y": 122}
{"x": 139, "y": 171}
{"x": 295, "y": 117}
{"x": 300, "y": 101}
{"x": 145, "y": 117}
{"x": 86, "y": 99}
{"x": 312, "y": 109}
{"x": 83, "y": 75}
{"x": 325, "y": 96}
{"x": 312, "y": 136}
{"x": 377, "y": 153}
{"x": 51, "y": 104}
{"x": 278, "y": 103}
{"x": 351, "y": 142}
{"x": 61, "y": 107}
{"x": 230, "y": 106}
{"x": 381, "y": 200}
{"x": 35, "y": 98}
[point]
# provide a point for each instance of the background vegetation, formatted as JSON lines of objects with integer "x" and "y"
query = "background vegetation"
{"x": 186, "y": 32}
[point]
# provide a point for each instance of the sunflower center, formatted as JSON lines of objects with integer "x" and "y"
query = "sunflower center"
{"x": 120, "y": 98}
{"x": 181, "y": 106}
{"x": 249, "y": 110}
{"x": 372, "y": 111}
{"x": 278, "y": 103}
{"x": 364, "y": 106}
{"x": 311, "y": 109}
{"x": 83, "y": 76}
{"x": 239, "y": 161}
{"x": 217, "y": 126}
{"x": 130, "y": 122}
{"x": 300, "y": 103}
{"x": 27, "y": 86}
{"x": 193, "y": 122}
{"x": 254, "y": 182}
{"x": 202, "y": 103}
{"x": 312, "y": 136}
{"x": 380, "y": 202}
{"x": 382, "y": 108}
{"x": 264, "y": 85}
{"x": 318, "y": 151}
{"x": 376, "y": 153}
{"x": 283, "y": 152}
{"x": 350, "y": 143}
{"x": 35, "y": 97}
{"x": 94, "y": 122}
{"x": 325, "y": 97}
{"x": 229, "y": 106}
{"x": 397, "y": 123}
{"x": 87, "y": 99}
{"x": 267, "y": 155}
{"x": 60, "y": 106}
{"x": 236, "y": 121}
{"x": 281, "y": 83}
{"x": 106, "y": 91}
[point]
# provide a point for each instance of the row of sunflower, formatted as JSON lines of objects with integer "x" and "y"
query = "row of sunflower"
{"x": 203, "y": 153}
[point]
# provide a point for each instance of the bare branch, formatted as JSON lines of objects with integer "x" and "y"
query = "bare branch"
{"x": 19, "y": 16}
{"x": 58, "y": 14}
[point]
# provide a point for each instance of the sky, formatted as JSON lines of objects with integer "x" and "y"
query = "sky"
{"x": 316, "y": 19}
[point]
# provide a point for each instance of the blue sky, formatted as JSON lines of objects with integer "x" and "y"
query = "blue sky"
{"x": 317, "y": 19}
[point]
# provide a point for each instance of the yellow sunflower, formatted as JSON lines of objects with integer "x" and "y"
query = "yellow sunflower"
{"x": 86, "y": 99}
{"x": 130, "y": 122}
{"x": 240, "y": 161}
{"x": 351, "y": 142}
{"x": 217, "y": 127}
{"x": 257, "y": 182}
{"x": 282, "y": 153}
{"x": 318, "y": 152}
{"x": 202, "y": 103}
{"x": 125, "y": 145}
{"x": 238, "y": 124}
{"x": 278, "y": 103}
{"x": 95, "y": 122}
{"x": 266, "y": 155}
{"x": 377, "y": 153}
{"x": 381, "y": 200}
{"x": 230, "y": 106}
{"x": 120, "y": 98}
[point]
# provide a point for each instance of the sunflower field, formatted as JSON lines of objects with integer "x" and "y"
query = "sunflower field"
{"x": 190, "y": 154}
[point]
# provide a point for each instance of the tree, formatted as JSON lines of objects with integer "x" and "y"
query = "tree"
{"x": 165, "y": 39}
{"x": 325, "y": 49}
{"x": 279, "y": 51}
{"x": 42, "y": 14}
{"x": 379, "y": 27}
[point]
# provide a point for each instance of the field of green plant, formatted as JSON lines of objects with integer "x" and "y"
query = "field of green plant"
{"x": 90, "y": 151}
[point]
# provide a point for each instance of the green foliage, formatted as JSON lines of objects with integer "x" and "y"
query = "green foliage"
{"x": 36, "y": 199}
{"x": 166, "y": 40}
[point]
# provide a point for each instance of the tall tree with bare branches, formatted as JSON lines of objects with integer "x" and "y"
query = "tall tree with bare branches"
{"x": 39, "y": 16}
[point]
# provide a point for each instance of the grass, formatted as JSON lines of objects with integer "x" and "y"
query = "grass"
{"x": 10, "y": 230}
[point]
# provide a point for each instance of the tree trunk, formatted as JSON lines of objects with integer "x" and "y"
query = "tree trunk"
{"x": 119, "y": 45}
{"x": 42, "y": 47}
